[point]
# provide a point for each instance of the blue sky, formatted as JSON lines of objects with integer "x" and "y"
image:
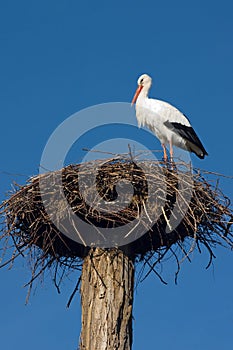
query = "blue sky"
{"x": 58, "y": 57}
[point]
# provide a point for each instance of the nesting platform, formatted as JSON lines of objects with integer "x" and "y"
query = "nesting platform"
{"x": 176, "y": 203}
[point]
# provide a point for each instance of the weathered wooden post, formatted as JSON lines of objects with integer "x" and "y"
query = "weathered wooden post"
{"x": 107, "y": 287}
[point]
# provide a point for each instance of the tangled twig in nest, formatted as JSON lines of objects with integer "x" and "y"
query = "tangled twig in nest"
{"x": 156, "y": 206}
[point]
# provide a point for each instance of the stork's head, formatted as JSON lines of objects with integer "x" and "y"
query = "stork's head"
{"x": 144, "y": 84}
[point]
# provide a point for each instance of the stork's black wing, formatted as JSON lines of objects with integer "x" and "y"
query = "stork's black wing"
{"x": 187, "y": 133}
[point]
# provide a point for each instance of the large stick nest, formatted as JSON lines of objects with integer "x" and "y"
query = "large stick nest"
{"x": 170, "y": 204}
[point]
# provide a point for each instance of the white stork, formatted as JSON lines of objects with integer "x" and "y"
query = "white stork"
{"x": 165, "y": 121}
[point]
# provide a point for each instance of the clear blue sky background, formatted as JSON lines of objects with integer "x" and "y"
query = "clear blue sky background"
{"x": 58, "y": 57}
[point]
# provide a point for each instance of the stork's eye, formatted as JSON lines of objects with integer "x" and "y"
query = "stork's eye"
{"x": 141, "y": 81}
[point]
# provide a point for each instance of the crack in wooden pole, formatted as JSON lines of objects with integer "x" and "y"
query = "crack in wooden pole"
{"x": 107, "y": 287}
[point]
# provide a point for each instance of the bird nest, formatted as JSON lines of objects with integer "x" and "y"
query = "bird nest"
{"x": 152, "y": 205}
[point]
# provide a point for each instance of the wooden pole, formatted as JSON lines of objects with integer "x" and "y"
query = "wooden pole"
{"x": 107, "y": 286}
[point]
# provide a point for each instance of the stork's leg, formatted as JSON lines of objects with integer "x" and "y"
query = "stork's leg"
{"x": 171, "y": 151}
{"x": 164, "y": 152}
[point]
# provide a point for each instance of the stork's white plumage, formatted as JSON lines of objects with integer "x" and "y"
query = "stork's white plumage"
{"x": 165, "y": 121}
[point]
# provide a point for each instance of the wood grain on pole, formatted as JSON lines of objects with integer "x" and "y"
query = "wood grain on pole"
{"x": 107, "y": 288}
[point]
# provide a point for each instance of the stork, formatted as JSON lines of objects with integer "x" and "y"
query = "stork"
{"x": 169, "y": 125}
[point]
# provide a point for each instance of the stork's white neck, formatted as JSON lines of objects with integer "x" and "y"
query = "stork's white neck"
{"x": 143, "y": 94}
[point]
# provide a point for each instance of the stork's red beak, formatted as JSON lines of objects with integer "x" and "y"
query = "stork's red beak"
{"x": 139, "y": 89}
